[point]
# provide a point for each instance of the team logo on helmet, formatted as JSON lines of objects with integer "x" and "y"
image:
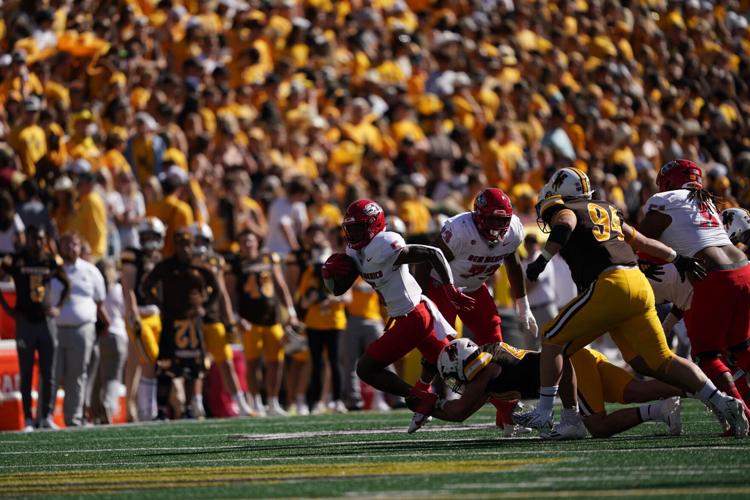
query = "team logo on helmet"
{"x": 371, "y": 209}
{"x": 727, "y": 218}
{"x": 481, "y": 200}
{"x": 452, "y": 352}
{"x": 559, "y": 179}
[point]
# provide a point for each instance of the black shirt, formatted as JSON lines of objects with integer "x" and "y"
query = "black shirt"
{"x": 519, "y": 378}
{"x": 183, "y": 287}
{"x": 597, "y": 241}
{"x": 31, "y": 276}
{"x": 143, "y": 265}
{"x": 255, "y": 290}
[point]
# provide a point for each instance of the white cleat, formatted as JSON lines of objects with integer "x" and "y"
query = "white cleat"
{"x": 337, "y": 406}
{"x": 275, "y": 410}
{"x": 380, "y": 405}
{"x": 733, "y": 411}
{"x": 515, "y": 430}
{"x": 417, "y": 421}
{"x": 302, "y": 409}
{"x": 48, "y": 423}
{"x": 670, "y": 412}
{"x": 243, "y": 409}
{"x": 565, "y": 430}
{"x": 534, "y": 419}
{"x": 28, "y": 425}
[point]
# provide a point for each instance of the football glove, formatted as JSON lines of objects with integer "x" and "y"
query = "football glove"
{"x": 534, "y": 269}
{"x": 528, "y": 322}
{"x": 460, "y": 300}
{"x": 651, "y": 270}
{"x": 689, "y": 267}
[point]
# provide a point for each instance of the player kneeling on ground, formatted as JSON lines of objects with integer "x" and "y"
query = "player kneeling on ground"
{"x": 500, "y": 371}
{"x": 186, "y": 286}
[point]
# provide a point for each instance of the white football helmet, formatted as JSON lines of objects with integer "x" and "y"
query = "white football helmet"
{"x": 151, "y": 232}
{"x": 460, "y": 361}
{"x": 568, "y": 182}
{"x": 737, "y": 223}
{"x": 203, "y": 236}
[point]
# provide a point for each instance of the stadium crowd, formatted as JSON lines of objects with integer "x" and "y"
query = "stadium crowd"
{"x": 257, "y": 122}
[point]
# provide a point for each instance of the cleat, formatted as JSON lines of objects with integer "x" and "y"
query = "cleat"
{"x": 515, "y": 430}
{"x": 48, "y": 423}
{"x": 320, "y": 408}
{"x": 337, "y": 406}
{"x": 670, "y": 412}
{"x": 275, "y": 410}
{"x": 28, "y": 425}
{"x": 244, "y": 410}
{"x": 565, "y": 430}
{"x": 734, "y": 412}
{"x": 533, "y": 419}
{"x": 380, "y": 405}
{"x": 417, "y": 421}
{"x": 302, "y": 409}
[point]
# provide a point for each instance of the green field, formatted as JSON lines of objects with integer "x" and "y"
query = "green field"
{"x": 370, "y": 454}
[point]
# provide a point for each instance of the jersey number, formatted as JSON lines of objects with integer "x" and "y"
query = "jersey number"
{"x": 604, "y": 223}
{"x": 709, "y": 218}
{"x": 479, "y": 269}
{"x": 186, "y": 336}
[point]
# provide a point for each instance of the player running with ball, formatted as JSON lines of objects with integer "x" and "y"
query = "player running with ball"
{"x": 382, "y": 257}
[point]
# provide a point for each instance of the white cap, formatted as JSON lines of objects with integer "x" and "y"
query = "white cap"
{"x": 79, "y": 166}
{"x": 63, "y": 184}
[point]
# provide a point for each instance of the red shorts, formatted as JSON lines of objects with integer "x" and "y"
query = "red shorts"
{"x": 719, "y": 315}
{"x": 416, "y": 330}
{"x": 483, "y": 320}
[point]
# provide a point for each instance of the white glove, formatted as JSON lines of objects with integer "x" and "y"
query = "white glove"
{"x": 528, "y": 323}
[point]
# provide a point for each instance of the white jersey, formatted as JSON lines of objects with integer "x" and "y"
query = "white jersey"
{"x": 672, "y": 288}
{"x": 691, "y": 229}
{"x": 475, "y": 260}
{"x": 376, "y": 263}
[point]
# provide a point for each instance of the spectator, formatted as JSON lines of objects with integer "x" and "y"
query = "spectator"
{"x": 287, "y": 218}
{"x": 113, "y": 348}
{"x": 172, "y": 210}
{"x": 32, "y": 269}
{"x": 32, "y": 210}
{"x": 90, "y": 217}
{"x": 541, "y": 293}
{"x": 11, "y": 226}
{"x": 76, "y": 325}
{"x": 145, "y": 149}
{"x": 132, "y": 210}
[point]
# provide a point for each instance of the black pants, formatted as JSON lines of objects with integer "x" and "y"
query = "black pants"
{"x": 318, "y": 340}
{"x": 31, "y": 337}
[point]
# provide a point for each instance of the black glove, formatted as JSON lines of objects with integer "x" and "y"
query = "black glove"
{"x": 534, "y": 269}
{"x": 689, "y": 267}
{"x": 651, "y": 270}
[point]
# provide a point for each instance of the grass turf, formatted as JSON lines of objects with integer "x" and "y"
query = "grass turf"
{"x": 370, "y": 454}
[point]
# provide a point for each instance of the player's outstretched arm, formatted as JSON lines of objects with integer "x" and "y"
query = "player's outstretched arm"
{"x": 518, "y": 290}
{"x": 416, "y": 254}
{"x": 687, "y": 266}
{"x": 563, "y": 223}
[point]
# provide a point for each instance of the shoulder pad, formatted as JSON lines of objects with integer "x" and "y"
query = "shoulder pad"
{"x": 552, "y": 201}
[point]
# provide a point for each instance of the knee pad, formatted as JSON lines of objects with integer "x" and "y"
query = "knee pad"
{"x": 711, "y": 364}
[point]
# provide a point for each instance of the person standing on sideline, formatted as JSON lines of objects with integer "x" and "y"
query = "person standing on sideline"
{"x": 76, "y": 325}
{"x": 32, "y": 269}
{"x": 541, "y": 293}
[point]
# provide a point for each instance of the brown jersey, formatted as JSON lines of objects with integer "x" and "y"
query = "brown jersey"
{"x": 257, "y": 300}
{"x": 597, "y": 241}
{"x": 184, "y": 287}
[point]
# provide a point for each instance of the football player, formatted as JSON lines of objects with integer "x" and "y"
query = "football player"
{"x": 683, "y": 216}
{"x": 186, "y": 288}
{"x": 737, "y": 224}
{"x": 382, "y": 258}
{"x": 476, "y": 244}
{"x": 501, "y": 371}
{"x": 614, "y": 296}
{"x": 218, "y": 314}
{"x": 143, "y": 320}
{"x": 258, "y": 288}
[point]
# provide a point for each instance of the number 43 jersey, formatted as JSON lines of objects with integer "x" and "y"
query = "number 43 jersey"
{"x": 475, "y": 259}
{"x": 693, "y": 227}
{"x": 597, "y": 241}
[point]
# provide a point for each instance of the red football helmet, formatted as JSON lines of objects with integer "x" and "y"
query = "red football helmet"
{"x": 362, "y": 221}
{"x": 679, "y": 174}
{"x": 492, "y": 213}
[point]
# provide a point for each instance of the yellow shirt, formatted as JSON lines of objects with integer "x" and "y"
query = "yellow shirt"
{"x": 90, "y": 222}
{"x": 30, "y": 144}
{"x": 365, "y": 302}
{"x": 175, "y": 214}
{"x": 407, "y": 128}
{"x": 329, "y": 215}
{"x": 143, "y": 157}
{"x": 364, "y": 134}
{"x": 115, "y": 162}
{"x": 319, "y": 317}
{"x": 416, "y": 216}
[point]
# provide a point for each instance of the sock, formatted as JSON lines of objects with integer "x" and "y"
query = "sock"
{"x": 146, "y": 397}
{"x": 710, "y": 394}
{"x": 570, "y": 415}
{"x": 648, "y": 412}
{"x": 547, "y": 399}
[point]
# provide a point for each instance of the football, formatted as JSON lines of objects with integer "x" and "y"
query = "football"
{"x": 339, "y": 273}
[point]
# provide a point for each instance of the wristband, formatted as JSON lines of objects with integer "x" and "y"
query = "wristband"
{"x": 291, "y": 312}
{"x": 672, "y": 256}
{"x": 522, "y": 303}
{"x": 547, "y": 255}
